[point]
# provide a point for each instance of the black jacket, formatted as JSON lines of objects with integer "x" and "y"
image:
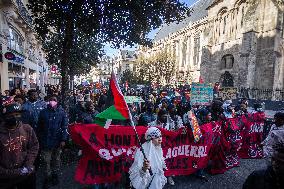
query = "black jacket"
{"x": 263, "y": 179}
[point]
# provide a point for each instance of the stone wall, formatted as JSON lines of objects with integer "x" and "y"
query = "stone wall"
{"x": 250, "y": 31}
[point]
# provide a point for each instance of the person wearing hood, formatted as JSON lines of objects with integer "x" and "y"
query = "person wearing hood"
{"x": 216, "y": 109}
{"x": 139, "y": 173}
{"x": 18, "y": 151}
{"x": 52, "y": 134}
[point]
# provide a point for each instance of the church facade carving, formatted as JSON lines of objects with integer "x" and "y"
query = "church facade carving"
{"x": 239, "y": 39}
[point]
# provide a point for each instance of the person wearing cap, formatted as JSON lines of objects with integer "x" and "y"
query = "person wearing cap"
{"x": 18, "y": 151}
{"x": 139, "y": 173}
{"x": 275, "y": 135}
{"x": 52, "y": 135}
{"x": 273, "y": 176}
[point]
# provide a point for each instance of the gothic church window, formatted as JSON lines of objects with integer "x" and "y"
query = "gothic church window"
{"x": 219, "y": 28}
{"x": 224, "y": 28}
{"x": 184, "y": 48}
{"x": 242, "y": 20}
{"x": 196, "y": 50}
{"x": 227, "y": 61}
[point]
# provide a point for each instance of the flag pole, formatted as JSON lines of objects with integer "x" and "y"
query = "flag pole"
{"x": 138, "y": 139}
{"x": 132, "y": 123}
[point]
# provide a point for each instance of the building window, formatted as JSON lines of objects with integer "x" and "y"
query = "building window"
{"x": 188, "y": 56}
{"x": 16, "y": 42}
{"x": 224, "y": 28}
{"x": 243, "y": 15}
{"x": 184, "y": 49}
{"x": 283, "y": 25}
{"x": 127, "y": 67}
{"x": 220, "y": 28}
{"x": 196, "y": 50}
{"x": 227, "y": 62}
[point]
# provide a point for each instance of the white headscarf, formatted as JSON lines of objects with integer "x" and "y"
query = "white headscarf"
{"x": 154, "y": 154}
{"x": 153, "y": 132}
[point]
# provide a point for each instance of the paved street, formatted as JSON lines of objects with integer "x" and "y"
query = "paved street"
{"x": 232, "y": 179}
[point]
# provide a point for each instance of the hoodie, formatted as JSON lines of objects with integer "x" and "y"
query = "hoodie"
{"x": 18, "y": 149}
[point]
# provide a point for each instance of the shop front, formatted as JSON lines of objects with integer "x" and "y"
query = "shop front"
{"x": 16, "y": 70}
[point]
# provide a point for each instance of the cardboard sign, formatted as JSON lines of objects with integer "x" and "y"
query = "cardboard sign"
{"x": 228, "y": 93}
{"x": 201, "y": 94}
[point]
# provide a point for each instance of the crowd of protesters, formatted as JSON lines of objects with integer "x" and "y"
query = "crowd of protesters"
{"x": 34, "y": 125}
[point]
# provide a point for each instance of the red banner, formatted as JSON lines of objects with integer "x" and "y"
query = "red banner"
{"x": 252, "y": 135}
{"x": 108, "y": 153}
{"x": 236, "y": 138}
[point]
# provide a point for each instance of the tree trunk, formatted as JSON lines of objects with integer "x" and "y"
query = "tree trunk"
{"x": 67, "y": 45}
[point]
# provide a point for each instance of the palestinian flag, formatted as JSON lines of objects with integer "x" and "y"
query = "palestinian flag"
{"x": 116, "y": 107}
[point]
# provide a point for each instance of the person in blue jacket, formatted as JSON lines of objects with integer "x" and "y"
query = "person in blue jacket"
{"x": 32, "y": 108}
{"x": 52, "y": 135}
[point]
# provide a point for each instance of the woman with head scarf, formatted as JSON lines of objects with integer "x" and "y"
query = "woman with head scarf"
{"x": 139, "y": 171}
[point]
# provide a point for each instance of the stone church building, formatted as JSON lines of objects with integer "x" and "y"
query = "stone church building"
{"x": 235, "y": 42}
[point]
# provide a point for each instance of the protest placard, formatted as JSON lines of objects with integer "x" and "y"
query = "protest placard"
{"x": 132, "y": 99}
{"x": 228, "y": 93}
{"x": 201, "y": 94}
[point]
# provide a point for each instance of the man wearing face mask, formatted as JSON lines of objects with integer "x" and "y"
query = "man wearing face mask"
{"x": 52, "y": 134}
{"x": 19, "y": 148}
{"x": 32, "y": 108}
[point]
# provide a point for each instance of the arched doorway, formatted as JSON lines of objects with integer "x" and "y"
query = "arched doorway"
{"x": 227, "y": 80}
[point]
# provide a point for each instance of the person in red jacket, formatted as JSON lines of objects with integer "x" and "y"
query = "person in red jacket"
{"x": 18, "y": 150}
